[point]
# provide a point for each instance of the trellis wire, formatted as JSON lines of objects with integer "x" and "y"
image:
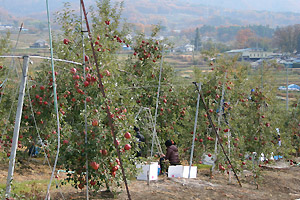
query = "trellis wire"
{"x": 39, "y": 136}
{"x": 47, "y": 58}
{"x": 12, "y": 104}
{"x": 219, "y": 118}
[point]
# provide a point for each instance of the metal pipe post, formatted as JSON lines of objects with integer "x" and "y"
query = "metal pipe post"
{"x": 17, "y": 127}
{"x": 194, "y": 133}
{"x": 157, "y": 100}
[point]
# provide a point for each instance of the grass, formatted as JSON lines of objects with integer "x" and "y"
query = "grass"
{"x": 202, "y": 166}
{"x": 31, "y": 189}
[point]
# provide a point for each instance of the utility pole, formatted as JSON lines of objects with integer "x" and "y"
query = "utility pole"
{"x": 287, "y": 85}
{"x": 17, "y": 127}
{"x": 287, "y": 64}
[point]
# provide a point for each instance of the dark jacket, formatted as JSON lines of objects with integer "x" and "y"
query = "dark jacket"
{"x": 172, "y": 155}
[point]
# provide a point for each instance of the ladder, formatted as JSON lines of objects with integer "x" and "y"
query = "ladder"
{"x": 154, "y": 134}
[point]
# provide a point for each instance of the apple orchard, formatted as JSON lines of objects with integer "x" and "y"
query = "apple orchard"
{"x": 237, "y": 104}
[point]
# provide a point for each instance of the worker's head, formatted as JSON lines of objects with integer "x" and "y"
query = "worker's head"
{"x": 168, "y": 143}
{"x": 136, "y": 129}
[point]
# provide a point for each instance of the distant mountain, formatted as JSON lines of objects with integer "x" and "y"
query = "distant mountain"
{"x": 179, "y": 14}
{"x": 260, "y": 5}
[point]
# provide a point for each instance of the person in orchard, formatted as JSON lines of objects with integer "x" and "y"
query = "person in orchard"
{"x": 172, "y": 155}
{"x": 140, "y": 139}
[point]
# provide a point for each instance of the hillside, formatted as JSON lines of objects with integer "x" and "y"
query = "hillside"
{"x": 178, "y": 14}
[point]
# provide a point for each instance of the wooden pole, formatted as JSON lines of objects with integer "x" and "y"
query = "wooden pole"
{"x": 101, "y": 87}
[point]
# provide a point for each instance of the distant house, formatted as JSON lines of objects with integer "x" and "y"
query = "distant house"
{"x": 189, "y": 47}
{"x": 5, "y": 27}
{"x": 125, "y": 47}
{"x": 40, "y": 44}
{"x": 251, "y": 54}
{"x": 185, "y": 48}
{"x": 292, "y": 87}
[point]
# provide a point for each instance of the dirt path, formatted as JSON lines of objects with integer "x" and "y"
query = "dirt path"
{"x": 275, "y": 184}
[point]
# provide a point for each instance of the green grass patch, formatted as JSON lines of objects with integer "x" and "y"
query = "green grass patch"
{"x": 202, "y": 166}
{"x": 28, "y": 188}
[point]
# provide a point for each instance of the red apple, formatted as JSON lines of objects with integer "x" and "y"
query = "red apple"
{"x": 88, "y": 99}
{"x": 73, "y": 70}
{"x": 81, "y": 186}
{"x": 103, "y": 152}
{"x": 66, "y": 41}
{"x": 209, "y": 155}
{"x": 127, "y": 135}
{"x": 226, "y": 130}
{"x": 95, "y": 122}
{"x": 113, "y": 174}
{"x": 65, "y": 142}
{"x": 92, "y": 182}
{"x": 94, "y": 165}
{"x": 127, "y": 147}
{"x": 86, "y": 83}
{"x": 115, "y": 168}
{"x": 107, "y": 73}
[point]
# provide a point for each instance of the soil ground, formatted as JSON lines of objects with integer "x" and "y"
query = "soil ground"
{"x": 279, "y": 181}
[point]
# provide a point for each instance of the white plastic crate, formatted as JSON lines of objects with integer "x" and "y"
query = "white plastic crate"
{"x": 180, "y": 171}
{"x": 193, "y": 172}
{"x": 152, "y": 168}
